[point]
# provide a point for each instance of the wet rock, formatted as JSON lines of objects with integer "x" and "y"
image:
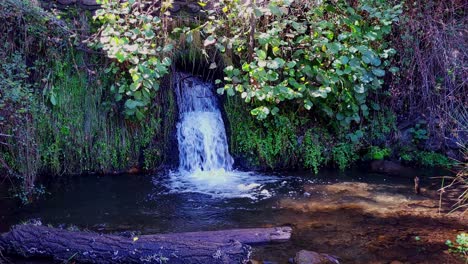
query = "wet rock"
{"x": 175, "y": 8}
{"x": 134, "y": 170}
{"x": 193, "y": 8}
{"x": 311, "y": 257}
{"x": 66, "y": 2}
{"x": 89, "y": 4}
{"x": 390, "y": 167}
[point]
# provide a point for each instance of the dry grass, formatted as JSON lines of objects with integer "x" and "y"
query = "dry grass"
{"x": 433, "y": 50}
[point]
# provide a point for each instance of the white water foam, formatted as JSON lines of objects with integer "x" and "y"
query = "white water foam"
{"x": 221, "y": 184}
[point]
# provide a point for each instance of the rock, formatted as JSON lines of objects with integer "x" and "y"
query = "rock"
{"x": 175, "y": 8}
{"x": 66, "y": 2}
{"x": 390, "y": 167}
{"x": 193, "y": 8}
{"x": 311, "y": 257}
{"x": 89, "y": 4}
{"x": 134, "y": 170}
{"x": 396, "y": 262}
{"x": 433, "y": 144}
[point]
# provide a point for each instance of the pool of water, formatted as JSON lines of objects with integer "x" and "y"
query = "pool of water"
{"x": 351, "y": 215}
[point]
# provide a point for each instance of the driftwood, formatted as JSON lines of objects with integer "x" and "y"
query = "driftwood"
{"x": 195, "y": 247}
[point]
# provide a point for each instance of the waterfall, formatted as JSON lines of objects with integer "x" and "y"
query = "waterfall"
{"x": 201, "y": 134}
{"x": 205, "y": 165}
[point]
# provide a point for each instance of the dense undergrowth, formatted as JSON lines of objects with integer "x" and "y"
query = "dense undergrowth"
{"x": 308, "y": 84}
{"x": 56, "y": 116}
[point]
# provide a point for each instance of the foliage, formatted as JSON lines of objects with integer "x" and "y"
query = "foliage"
{"x": 344, "y": 154}
{"x": 272, "y": 142}
{"x": 377, "y": 153}
{"x": 280, "y": 141}
{"x": 56, "y": 112}
{"x": 425, "y": 158}
{"x": 134, "y": 35}
{"x": 330, "y": 55}
{"x": 418, "y": 133}
{"x": 21, "y": 33}
{"x": 81, "y": 130}
{"x": 313, "y": 150}
{"x": 381, "y": 126}
{"x": 460, "y": 246}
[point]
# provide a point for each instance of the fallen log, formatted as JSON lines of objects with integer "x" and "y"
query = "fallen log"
{"x": 225, "y": 246}
{"x": 250, "y": 236}
{"x": 87, "y": 247}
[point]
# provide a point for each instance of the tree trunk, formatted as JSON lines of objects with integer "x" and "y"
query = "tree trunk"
{"x": 63, "y": 245}
{"x": 223, "y": 246}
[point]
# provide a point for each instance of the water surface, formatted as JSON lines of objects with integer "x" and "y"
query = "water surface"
{"x": 352, "y": 215}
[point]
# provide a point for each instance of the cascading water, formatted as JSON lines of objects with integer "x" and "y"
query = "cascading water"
{"x": 205, "y": 163}
{"x": 200, "y": 132}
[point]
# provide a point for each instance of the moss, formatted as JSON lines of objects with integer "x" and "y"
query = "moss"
{"x": 80, "y": 131}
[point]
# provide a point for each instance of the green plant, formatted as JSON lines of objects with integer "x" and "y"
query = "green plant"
{"x": 377, "y": 153}
{"x": 134, "y": 35}
{"x": 460, "y": 246}
{"x": 312, "y": 151}
{"x": 344, "y": 154}
{"x": 272, "y": 142}
{"x": 381, "y": 125}
{"x": 326, "y": 56}
{"x": 433, "y": 159}
{"x": 426, "y": 158}
{"x": 418, "y": 133}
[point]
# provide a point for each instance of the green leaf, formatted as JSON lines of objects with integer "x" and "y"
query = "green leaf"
{"x": 261, "y": 54}
{"x": 378, "y": 72}
{"x": 261, "y": 112}
{"x": 308, "y": 104}
{"x": 121, "y": 56}
{"x": 210, "y": 40}
{"x": 132, "y": 104}
{"x": 53, "y": 99}
{"x": 168, "y": 48}
{"x": 220, "y": 91}
{"x": 360, "y": 88}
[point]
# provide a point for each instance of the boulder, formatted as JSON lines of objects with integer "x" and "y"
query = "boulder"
{"x": 311, "y": 257}
{"x": 193, "y": 8}
{"x": 390, "y": 167}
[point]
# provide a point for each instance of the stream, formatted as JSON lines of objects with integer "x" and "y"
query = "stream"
{"x": 358, "y": 216}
